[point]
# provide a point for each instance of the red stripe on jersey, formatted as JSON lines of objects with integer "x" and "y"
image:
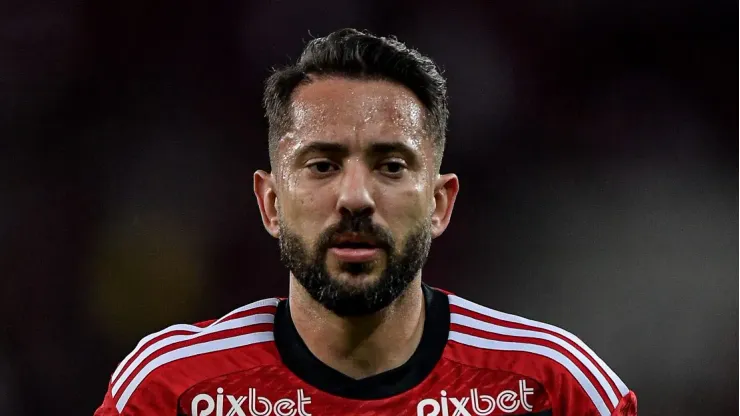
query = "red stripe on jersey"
{"x": 446, "y": 292}
{"x": 204, "y": 323}
{"x": 518, "y": 325}
{"x": 545, "y": 343}
{"x": 270, "y": 309}
{"x": 560, "y": 390}
{"x": 193, "y": 341}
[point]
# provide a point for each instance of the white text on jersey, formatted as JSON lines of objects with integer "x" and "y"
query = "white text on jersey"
{"x": 507, "y": 401}
{"x": 205, "y": 405}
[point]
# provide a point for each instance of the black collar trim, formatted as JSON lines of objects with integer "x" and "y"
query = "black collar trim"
{"x": 299, "y": 359}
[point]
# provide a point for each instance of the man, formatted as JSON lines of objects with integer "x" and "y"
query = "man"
{"x": 357, "y": 131}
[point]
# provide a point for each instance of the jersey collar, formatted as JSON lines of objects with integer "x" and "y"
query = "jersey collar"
{"x": 299, "y": 359}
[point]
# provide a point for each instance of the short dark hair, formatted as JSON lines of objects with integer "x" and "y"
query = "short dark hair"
{"x": 359, "y": 55}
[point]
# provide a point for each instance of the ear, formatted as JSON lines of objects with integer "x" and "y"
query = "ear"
{"x": 266, "y": 193}
{"x": 446, "y": 188}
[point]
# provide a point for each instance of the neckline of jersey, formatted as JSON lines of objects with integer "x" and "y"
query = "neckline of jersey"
{"x": 296, "y": 356}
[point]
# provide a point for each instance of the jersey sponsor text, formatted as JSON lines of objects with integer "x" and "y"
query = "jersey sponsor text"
{"x": 507, "y": 401}
{"x": 250, "y": 405}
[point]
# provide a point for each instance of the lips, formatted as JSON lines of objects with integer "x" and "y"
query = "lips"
{"x": 355, "y": 248}
{"x": 354, "y": 241}
{"x": 358, "y": 244}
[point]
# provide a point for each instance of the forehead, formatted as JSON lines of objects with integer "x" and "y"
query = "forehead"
{"x": 340, "y": 109}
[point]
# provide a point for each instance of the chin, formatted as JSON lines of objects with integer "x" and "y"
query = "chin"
{"x": 354, "y": 270}
{"x": 355, "y": 278}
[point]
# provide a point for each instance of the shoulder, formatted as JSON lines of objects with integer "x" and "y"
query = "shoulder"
{"x": 571, "y": 373}
{"x": 167, "y": 362}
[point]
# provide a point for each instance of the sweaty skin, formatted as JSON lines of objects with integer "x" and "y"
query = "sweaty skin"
{"x": 357, "y": 146}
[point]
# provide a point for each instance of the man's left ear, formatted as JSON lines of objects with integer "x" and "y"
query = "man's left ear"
{"x": 446, "y": 188}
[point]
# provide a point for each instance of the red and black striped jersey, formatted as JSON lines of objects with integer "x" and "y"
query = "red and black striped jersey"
{"x": 471, "y": 360}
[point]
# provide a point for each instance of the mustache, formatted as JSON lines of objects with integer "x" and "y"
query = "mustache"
{"x": 360, "y": 224}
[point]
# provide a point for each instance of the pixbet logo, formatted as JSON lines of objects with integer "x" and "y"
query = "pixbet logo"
{"x": 205, "y": 404}
{"x": 507, "y": 401}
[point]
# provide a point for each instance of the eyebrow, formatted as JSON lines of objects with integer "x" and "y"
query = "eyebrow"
{"x": 342, "y": 150}
{"x": 391, "y": 147}
{"x": 321, "y": 147}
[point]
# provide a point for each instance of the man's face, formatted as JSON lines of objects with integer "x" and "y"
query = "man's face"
{"x": 354, "y": 183}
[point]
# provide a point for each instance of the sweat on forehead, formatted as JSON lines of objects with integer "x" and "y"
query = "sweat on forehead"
{"x": 341, "y": 103}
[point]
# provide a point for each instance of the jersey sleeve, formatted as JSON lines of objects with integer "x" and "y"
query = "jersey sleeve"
{"x": 151, "y": 398}
{"x": 108, "y": 407}
{"x": 589, "y": 395}
{"x": 129, "y": 395}
{"x": 573, "y": 400}
{"x": 627, "y": 405}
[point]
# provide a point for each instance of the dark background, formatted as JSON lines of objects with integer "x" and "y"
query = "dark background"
{"x": 596, "y": 143}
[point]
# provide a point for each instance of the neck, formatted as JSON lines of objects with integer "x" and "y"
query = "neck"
{"x": 360, "y": 346}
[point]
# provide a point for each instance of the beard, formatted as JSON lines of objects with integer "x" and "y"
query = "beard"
{"x": 346, "y": 298}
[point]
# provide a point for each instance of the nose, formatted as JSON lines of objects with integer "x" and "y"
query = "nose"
{"x": 355, "y": 196}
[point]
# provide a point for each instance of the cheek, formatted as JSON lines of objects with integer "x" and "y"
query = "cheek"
{"x": 307, "y": 209}
{"x": 404, "y": 210}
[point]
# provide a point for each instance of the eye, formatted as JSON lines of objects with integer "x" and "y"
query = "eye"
{"x": 393, "y": 167}
{"x": 322, "y": 167}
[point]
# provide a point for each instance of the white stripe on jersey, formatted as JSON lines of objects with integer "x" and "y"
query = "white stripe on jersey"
{"x": 192, "y": 328}
{"x": 466, "y": 304}
{"x": 191, "y": 351}
{"x": 540, "y": 350}
{"x": 469, "y": 322}
{"x": 261, "y": 318}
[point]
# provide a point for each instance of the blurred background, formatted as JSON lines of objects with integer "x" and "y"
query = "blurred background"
{"x": 596, "y": 143}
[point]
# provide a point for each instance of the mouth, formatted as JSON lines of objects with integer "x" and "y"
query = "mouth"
{"x": 353, "y": 248}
